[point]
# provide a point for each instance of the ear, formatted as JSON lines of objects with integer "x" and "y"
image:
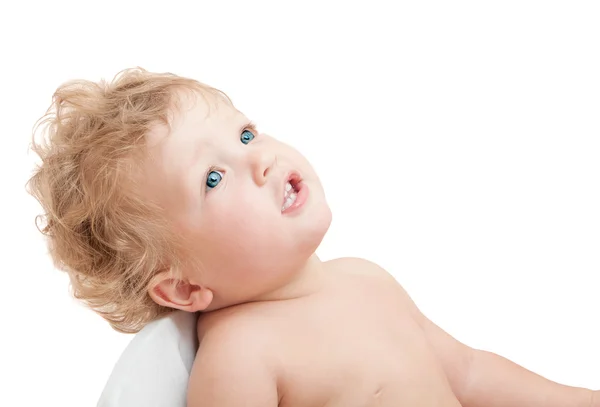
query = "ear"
{"x": 179, "y": 294}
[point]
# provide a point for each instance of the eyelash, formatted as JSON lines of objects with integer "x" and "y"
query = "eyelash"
{"x": 250, "y": 126}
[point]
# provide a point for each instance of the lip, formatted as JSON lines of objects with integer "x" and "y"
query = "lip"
{"x": 301, "y": 194}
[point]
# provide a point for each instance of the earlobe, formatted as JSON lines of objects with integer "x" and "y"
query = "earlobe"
{"x": 179, "y": 294}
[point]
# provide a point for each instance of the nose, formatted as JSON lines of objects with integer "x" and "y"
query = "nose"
{"x": 262, "y": 163}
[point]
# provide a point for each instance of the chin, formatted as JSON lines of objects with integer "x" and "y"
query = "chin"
{"x": 314, "y": 231}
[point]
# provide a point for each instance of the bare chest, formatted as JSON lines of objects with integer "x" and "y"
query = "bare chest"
{"x": 358, "y": 352}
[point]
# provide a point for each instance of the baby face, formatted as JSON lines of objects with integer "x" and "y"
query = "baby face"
{"x": 251, "y": 209}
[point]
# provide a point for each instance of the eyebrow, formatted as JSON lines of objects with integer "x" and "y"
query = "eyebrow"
{"x": 250, "y": 125}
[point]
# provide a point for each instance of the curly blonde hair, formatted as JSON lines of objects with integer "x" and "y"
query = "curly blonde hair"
{"x": 101, "y": 230}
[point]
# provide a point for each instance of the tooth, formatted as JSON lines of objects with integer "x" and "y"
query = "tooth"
{"x": 288, "y": 187}
{"x": 289, "y": 201}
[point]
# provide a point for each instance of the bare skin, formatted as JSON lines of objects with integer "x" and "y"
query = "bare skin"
{"x": 358, "y": 341}
{"x": 353, "y": 343}
{"x": 278, "y": 326}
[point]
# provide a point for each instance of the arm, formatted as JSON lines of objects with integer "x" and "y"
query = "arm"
{"x": 497, "y": 382}
{"x": 483, "y": 379}
{"x": 229, "y": 373}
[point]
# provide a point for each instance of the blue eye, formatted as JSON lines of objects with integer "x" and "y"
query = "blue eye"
{"x": 246, "y": 136}
{"x": 213, "y": 179}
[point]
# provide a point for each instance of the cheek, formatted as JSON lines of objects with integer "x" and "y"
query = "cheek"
{"x": 244, "y": 225}
{"x": 239, "y": 248}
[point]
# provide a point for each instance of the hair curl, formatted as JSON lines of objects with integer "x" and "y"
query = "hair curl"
{"x": 101, "y": 230}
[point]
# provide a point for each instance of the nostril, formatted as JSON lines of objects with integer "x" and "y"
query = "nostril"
{"x": 271, "y": 163}
{"x": 263, "y": 164}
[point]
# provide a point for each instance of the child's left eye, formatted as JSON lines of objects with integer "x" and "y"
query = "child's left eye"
{"x": 246, "y": 136}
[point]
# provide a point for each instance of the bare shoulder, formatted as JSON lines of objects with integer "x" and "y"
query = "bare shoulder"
{"x": 233, "y": 354}
{"x": 235, "y": 331}
{"x": 380, "y": 277}
{"x": 364, "y": 267}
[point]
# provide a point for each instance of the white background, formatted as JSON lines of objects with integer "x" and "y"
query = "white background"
{"x": 458, "y": 142}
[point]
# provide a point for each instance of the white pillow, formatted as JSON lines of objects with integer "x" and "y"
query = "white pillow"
{"x": 155, "y": 367}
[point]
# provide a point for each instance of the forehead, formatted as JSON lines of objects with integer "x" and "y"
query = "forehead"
{"x": 196, "y": 114}
{"x": 204, "y": 114}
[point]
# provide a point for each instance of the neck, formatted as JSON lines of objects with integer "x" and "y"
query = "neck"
{"x": 308, "y": 281}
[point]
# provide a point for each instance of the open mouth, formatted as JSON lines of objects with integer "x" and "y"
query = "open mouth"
{"x": 290, "y": 192}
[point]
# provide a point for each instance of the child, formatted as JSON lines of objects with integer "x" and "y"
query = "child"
{"x": 159, "y": 195}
